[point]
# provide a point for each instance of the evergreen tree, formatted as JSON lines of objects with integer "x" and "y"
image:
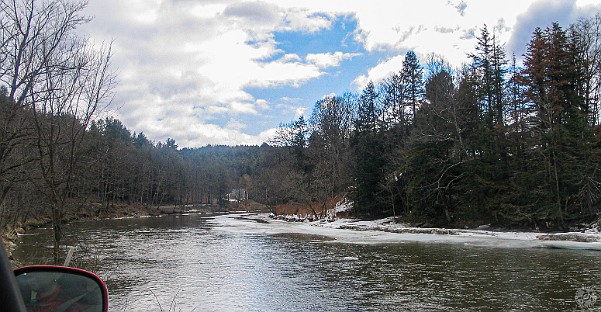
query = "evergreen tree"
{"x": 393, "y": 105}
{"x": 431, "y": 166}
{"x": 551, "y": 78}
{"x": 368, "y": 112}
{"x": 368, "y": 148}
{"x": 411, "y": 76}
{"x": 489, "y": 63}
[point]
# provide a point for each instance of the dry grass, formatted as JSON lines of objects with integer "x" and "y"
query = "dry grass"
{"x": 293, "y": 208}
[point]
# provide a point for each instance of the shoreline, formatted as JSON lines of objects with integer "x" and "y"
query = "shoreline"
{"x": 379, "y": 231}
{"x": 10, "y": 233}
{"x": 387, "y": 231}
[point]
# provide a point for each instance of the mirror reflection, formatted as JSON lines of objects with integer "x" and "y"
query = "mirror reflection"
{"x": 51, "y": 291}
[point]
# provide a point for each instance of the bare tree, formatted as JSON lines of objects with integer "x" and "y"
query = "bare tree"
{"x": 586, "y": 41}
{"x": 332, "y": 123}
{"x": 61, "y": 78}
{"x": 15, "y": 157}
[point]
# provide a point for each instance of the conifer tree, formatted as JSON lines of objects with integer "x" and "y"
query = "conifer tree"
{"x": 412, "y": 79}
{"x": 368, "y": 112}
{"x": 393, "y": 101}
{"x": 489, "y": 63}
{"x": 368, "y": 147}
{"x": 551, "y": 78}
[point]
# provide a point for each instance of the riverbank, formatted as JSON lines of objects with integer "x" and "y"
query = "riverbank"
{"x": 97, "y": 212}
{"x": 388, "y": 231}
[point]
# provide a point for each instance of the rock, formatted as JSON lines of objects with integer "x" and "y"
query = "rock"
{"x": 484, "y": 227}
{"x": 575, "y": 237}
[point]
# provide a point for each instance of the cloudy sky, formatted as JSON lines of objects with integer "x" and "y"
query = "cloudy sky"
{"x": 229, "y": 72}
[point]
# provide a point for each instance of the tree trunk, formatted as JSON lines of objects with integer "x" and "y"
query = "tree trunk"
{"x": 58, "y": 234}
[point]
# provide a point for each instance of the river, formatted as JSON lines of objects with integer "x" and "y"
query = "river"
{"x": 222, "y": 263}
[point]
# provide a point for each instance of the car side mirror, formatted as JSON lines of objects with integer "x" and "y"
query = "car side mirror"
{"x": 61, "y": 289}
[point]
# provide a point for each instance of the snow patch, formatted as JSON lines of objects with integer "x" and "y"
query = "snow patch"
{"x": 387, "y": 231}
{"x": 344, "y": 205}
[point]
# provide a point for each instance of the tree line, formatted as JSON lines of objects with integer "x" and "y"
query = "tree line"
{"x": 493, "y": 141}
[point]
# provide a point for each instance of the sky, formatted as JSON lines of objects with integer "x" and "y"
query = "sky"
{"x": 229, "y": 72}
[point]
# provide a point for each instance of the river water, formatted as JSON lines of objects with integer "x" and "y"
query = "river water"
{"x": 222, "y": 263}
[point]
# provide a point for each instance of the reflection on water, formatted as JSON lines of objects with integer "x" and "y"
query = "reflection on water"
{"x": 184, "y": 263}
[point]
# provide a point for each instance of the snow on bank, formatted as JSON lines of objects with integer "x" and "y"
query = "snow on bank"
{"x": 386, "y": 231}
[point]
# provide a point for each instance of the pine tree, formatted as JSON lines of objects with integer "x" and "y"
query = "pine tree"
{"x": 552, "y": 81}
{"x": 368, "y": 147}
{"x": 431, "y": 163}
{"x": 489, "y": 63}
{"x": 412, "y": 79}
{"x": 368, "y": 112}
{"x": 393, "y": 101}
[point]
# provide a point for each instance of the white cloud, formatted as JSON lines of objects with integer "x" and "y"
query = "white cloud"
{"x": 187, "y": 62}
{"x": 421, "y": 27}
{"x": 265, "y": 136}
{"x": 215, "y": 110}
{"x": 235, "y": 124}
{"x": 182, "y": 64}
{"x": 280, "y": 72}
{"x": 262, "y": 104}
{"x": 291, "y": 58}
{"x": 244, "y": 108}
{"x": 450, "y": 29}
{"x": 305, "y": 20}
{"x": 210, "y": 10}
{"x": 300, "y": 111}
{"x": 330, "y": 95}
{"x": 542, "y": 14}
{"x": 380, "y": 72}
{"x": 254, "y": 12}
{"x": 582, "y": 3}
{"x": 324, "y": 60}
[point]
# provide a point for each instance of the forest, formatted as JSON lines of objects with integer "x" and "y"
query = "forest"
{"x": 494, "y": 141}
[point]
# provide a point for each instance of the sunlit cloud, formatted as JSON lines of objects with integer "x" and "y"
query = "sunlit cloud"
{"x": 324, "y": 60}
{"x": 380, "y": 72}
{"x": 187, "y": 69}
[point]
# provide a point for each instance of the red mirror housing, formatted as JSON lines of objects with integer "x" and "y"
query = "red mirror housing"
{"x": 50, "y": 288}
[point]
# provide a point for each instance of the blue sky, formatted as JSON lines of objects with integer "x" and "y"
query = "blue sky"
{"x": 291, "y": 101}
{"x": 229, "y": 71}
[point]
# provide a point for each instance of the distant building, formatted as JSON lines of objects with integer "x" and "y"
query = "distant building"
{"x": 237, "y": 195}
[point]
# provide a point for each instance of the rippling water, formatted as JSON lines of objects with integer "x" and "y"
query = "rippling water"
{"x": 190, "y": 263}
